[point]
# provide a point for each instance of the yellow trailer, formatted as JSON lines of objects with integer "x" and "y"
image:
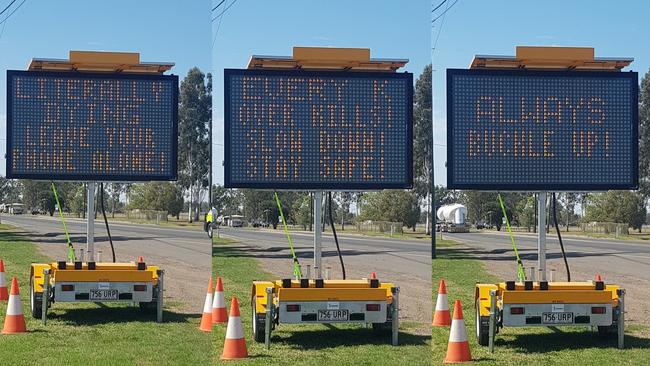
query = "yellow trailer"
{"x": 133, "y": 282}
{"x": 548, "y": 304}
{"x": 307, "y": 301}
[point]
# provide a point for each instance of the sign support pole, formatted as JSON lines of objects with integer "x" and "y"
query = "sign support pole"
{"x": 541, "y": 235}
{"x": 318, "y": 232}
{"x": 90, "y": 223}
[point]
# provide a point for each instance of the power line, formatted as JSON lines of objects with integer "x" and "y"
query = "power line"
{"x": 216, "y": 33}
{"x": 12, "y": 13}
{"x": 444, "y": 12}
{"x": 8, "y": 6}
{"x": 442, "y": 23}
{"x": 439, "y": 5}
{"x": 222, "y": 1}
{"x": 226, "y": 9}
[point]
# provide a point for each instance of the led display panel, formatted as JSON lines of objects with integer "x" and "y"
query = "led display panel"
{"x": 92, "y": 127}
{"x": 318, "y": 130}
{"x": 542, "y": 130}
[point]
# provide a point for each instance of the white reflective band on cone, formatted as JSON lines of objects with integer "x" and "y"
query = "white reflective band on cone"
{"x": 207, "y": 306}
{"x": 14, "y": 307}
{"x": 3, "y": 281}
{"x": 235, "y": 330}
{"x": 458, "y": 333}
{"x": 219, "y": 301}
{"x": 441, "y": 302}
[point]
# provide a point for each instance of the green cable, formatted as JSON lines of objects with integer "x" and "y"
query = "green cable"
{"x": 296, "y": 265}
{"x": 71, "y": 256}
{"x": 521, "y": 274}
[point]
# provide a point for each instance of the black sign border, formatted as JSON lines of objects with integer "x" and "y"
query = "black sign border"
{"x": 88, "y": 177}
{"x": 228, "y": 183}
{"x": 634, "y": 184}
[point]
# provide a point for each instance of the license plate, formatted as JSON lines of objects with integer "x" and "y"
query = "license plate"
{"x": 557, "y": 318}
{"x": 103, "y": 295}
{"x": 333, "y": 315}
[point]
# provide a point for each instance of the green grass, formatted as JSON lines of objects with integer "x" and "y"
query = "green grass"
{"x": 525, "y": 346}
{"x": 308, "y": 344}
{"x": 79, "y": 333}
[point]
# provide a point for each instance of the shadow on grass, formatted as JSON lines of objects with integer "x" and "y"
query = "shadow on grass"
{"x": 114, "y": 314}
{"x": 560, "y": 341}
{"x": 333, "y": 337}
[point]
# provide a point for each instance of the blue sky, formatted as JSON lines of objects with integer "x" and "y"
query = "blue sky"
{"x": 174, "y": 31}
{"x": 390, "y": 29}
{"x": 496, "y": 27}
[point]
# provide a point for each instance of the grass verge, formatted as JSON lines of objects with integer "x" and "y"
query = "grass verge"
{"x": 90, "y": 334}
{"x": 529, "y": 346}
{"x": 307, "y": 344}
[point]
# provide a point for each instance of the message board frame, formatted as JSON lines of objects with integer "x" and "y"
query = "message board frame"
{"x": 97, "y": 177}
{"x": 329, "y": 186}
{"x": 559, "y": 187}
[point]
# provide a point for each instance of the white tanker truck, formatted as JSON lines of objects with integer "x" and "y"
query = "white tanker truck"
{"x": 452, "y": 218}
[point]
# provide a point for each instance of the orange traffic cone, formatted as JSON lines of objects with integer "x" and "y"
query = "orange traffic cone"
{"x": 598, "y": 278}
{"x": 373, "y": 275}
{"x": 442, "y": 318}
{"x": 140, "y": 259}
{"x": 4, "y": 294}
{"x": 15, "y": 320}
{"x": 206, "y": 319}
{"x": 219, "y": 315}
{"x": 458, "y": 348}
{"x": 235, "y": 345}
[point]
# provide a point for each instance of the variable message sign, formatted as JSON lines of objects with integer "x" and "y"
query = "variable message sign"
{"x": 541, "y": 130}
{"x": 318, "y": 130}
{"x": 95, "y": 127}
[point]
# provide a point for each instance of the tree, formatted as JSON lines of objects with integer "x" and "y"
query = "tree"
{"x": 195, "y": 117}
{"x": 226, "y": 201}
{"x": 392, "y": 205}
{"x": 644, "y": 136}
{"x": 619, "y": 207}
{"x": 302, "y": 211}
{"x": 158, "y": 196}
{"x": 38, "y": 195}
{"x": 9, "y": 190}
{"x": 343, "y": 214}
{"x": 423, "y": 138}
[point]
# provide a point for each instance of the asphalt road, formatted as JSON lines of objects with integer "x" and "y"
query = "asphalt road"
{"x": 407, "y": 263}
{"x": 184, "y": 254}
{"x": 623, "y": 262}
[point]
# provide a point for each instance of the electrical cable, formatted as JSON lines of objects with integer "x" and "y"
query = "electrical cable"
{"x": 7, "y": 7}
{"x": 108, "y": 230}
{"x": 559, "y": 237}
{"x": 439, "y": 5}
{"x": 12, "y": 13}
{"x": 218, "y": 5}
{"x": 336, "y": 239}
{"x": 444, "y": 12}
{"x": 442, "y": 24}
{"x": 226, "y": 9}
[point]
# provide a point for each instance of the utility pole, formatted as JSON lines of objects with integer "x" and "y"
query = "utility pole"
{"x": 210, "y": 177}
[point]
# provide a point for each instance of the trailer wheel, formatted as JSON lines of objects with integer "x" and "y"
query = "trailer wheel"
{"x": 482, "y": 326}
{"x": 151, "y": 306}
{"x": 607, "y": 331}
{"x": 35, "y": 301}
{"x": 259, "y": 324}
